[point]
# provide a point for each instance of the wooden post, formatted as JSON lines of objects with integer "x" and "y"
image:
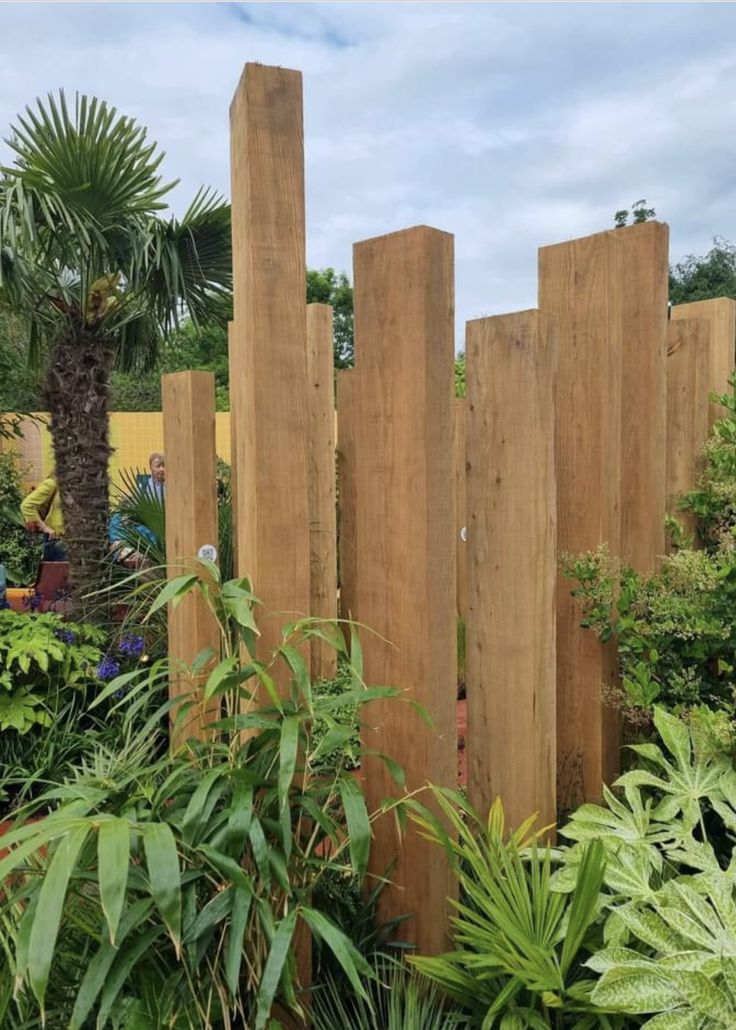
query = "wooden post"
{"x": 459, "y": 430}
{"x": 720, "y": 313}
{"x": 347, "y": 383}
{"x": 191, "y": 522}
{"x": 688, "y": 369}
{"x": 268, "y": 354}
{"x": 580, "y": 282}
{"x": 406, "y": 548}
{"x": 645, "y": 270}
{"x": 236, "y": 405}
{"x": 511, "y": 367}
{"x": 322, "y": 500}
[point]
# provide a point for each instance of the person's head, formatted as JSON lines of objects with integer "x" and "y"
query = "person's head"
{"x": 157, "y": 467}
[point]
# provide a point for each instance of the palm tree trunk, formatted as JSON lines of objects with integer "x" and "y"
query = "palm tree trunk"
{"x": 76, "y": 390}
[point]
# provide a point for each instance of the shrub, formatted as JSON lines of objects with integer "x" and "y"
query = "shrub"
{"x": 675, "y": 631}
{"x": 192, "y": 876}
{"x": 20, "y": 552}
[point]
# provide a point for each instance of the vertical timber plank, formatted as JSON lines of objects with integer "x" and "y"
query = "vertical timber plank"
{"x": 511, "y": 367}
{"x": 268, "y": 354}
{"x": 645, "y": 270}
{"x": 720, "y": 313}
{"x": 580, "y": 283}
{"x": 688, "y": 371}
{"x": 191, "y": 521}
{"x": 347, "y": 383}
{"x": 404, "y": 301}
{"x": 321, "y": 479}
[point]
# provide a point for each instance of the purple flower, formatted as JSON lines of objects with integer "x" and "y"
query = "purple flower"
{"x": 33, "y": 602}
{"x": 67, "y": 636}
{"x": 131, "y": 646}
{"x": 107, "y": 669}
{"x": 4, "y": 603}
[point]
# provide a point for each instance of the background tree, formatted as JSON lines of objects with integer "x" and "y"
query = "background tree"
{"x": 99, "y": 276}
{"x": 701, "y": 278}
{"x": 326, "y": 286}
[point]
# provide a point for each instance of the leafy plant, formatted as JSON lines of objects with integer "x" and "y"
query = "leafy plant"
{"x": 200, "y": 870}
{"x": 20, "y": 551}
{"x": 674, "y": 629}
{"x": 39, "y": 657}
{"x": 398, "y": 999}
{"x": 713, "y": 502}
{"x": 520, "y": 945}
{"x": 680, "y": 962}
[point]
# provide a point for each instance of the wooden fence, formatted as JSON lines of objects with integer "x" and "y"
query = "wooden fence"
{"x": 581, "y": 419}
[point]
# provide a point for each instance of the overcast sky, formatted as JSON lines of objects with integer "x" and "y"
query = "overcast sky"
{"x": 509, "y": 125}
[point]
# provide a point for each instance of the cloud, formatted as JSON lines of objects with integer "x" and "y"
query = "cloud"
{"x": 511, "y": 126}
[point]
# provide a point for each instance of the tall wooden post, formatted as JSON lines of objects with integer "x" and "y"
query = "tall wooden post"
{"x": 720, "y": 314}
{"x": 645, "y": 270}
{"x": 688, "y": 370}
{"x": 580, "y": 282}
{"x": 191, "y": 522}
{"x": 512, "y": 564}
{"x": 406, "y": 567}
{"x": 268, "y": 354}
{"x": 347, "y": 385}
{"x": 321, "y": 478}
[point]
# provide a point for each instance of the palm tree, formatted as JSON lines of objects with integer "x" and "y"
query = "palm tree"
{"x": 100, "y": 276}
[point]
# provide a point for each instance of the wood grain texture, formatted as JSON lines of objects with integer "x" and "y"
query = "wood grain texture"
{"x": 688, "y": 371}
{"x": 347, "y": 384}
{"x": 191, "y": 521}
{"x": 459, "y": 437}
{"x": 268, "y": 355}
{"x": 720, "y": 313}
{"x": 321, "y": 480}
{"x": 645, "y": 269}
{"x": 580, "y": 282}
{"x": 511, "y": 368}
{"x": 404, "y": 301}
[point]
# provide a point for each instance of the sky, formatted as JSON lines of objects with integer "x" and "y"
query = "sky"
{"x": 511, "y": 126}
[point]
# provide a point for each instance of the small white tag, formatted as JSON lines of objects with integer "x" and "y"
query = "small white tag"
{"x": 208, "y": 552}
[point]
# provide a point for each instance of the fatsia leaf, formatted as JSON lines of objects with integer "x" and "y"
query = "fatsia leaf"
{"x": 635, "y": 991}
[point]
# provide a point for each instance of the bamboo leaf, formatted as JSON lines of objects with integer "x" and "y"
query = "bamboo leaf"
{"x": 359, "y": 826}
{"x": 163, "y": 872}
{"x": 274, "y": 967}
{"x": 113, "y": 848}
{"x": 51, "y": 900}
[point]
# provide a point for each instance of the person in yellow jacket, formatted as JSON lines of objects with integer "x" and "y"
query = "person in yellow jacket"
{"x": 41, "y": 511}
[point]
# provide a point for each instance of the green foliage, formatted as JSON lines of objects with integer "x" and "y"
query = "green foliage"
{"x": 398, "y": 999}
{"x": 520, "y": 946}
{"x": 670, "y": 931}
{"x": 713, "y": 502}
{"x": 460, "y": 375}
{"x": 674, "y": 629}
{"x": 335, "y": 699}
{"x": 326, "y": 286}
{"x": 40, "y": 657}
{"x": 702, "y": 278}
{"x": 195, "y": 870}
{"x": 20, "y": 552}
{"x": 639, "y": 213}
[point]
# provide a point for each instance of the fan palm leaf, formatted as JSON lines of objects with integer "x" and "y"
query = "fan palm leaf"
{"x": 100, "y": 276}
